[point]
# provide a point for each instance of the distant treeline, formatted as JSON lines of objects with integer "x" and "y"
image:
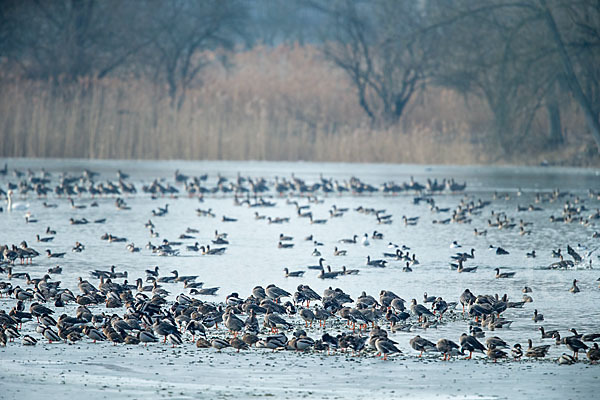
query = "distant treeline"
{"x": 436, "y": 81}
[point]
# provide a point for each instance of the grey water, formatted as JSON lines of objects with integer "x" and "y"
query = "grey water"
{"x": 253, "y": 257}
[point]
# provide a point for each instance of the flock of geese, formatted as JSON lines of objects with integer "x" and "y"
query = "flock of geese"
{"x": 102, "y": 309}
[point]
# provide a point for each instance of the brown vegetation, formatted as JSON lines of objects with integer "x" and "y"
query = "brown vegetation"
{"x": 282, "y": 103}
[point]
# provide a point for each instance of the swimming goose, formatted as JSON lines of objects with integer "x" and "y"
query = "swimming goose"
{"x": 376, "y": 263}
{"x": 316, "y": 253}
{"x": 292, "y": 273}
{"x": 44, "y": 239}
{"x": 353, "y": 240}
{"x": 574, "y": 288}
{"x": 339, "y": 252}
{"x": 282, "y": 245}
{"x": 503, "y": 274}
{"x": 590, "y": 337}
{"x": 537, "y": 317}
{"x": 54, "y": 255}
{"x": 547, "y": 334}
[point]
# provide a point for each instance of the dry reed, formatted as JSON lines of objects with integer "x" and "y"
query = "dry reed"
{"x": 285, "y": 103}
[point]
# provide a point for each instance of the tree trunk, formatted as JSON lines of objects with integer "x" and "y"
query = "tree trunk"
{"x": 554, "y": 123}
{"x": 571, "y": 77}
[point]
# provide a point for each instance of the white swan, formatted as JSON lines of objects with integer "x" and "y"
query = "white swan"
{"x": 15, "y": 206}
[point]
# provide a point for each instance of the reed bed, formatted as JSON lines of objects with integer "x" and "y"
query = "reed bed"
{"x": 283, "y": 103}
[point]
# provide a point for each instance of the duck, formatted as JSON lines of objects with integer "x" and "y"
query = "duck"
{"x": 494, "y": 353}
{"x": 593, "y": 354}
{"x": 517, "y": 351}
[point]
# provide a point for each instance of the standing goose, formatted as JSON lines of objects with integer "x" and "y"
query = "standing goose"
{"x": 421, "y": 344}
{"x": 575, "y": 345}
{"x": 471, "y": 344}
{"x": 447, "y": 348}
{"x": 385, "y": 347}
{"x": 537, "y": 351}
{"x": 419, "y": 310}
{"x": 494, "y": 353}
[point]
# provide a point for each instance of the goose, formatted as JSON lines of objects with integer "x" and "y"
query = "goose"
{"x": 503, "y": 274}
{"x": 317, "y": 221}
{"x": 282, "y": 245}
{"x": 316, "y": 253}
{"x": 283, "y": 238}
{"x": 385, "y": 347}
{"x": 494, "y": 353}
{"x": 292, "y": 273}
{"x": 575, "y": 345}
{"x": 537, "y": 317}
{"x": 421, "y": 344}
{"x": 353, "y": 240}
{"x": 547, "y": 334}
{"x": 574, "y": 288}
{"x": 419, "y": 310}
{"x": 376, "y": 263}
{"x": 537, "y": 351}
{"x": 339, "y": 252}
{"x": 531, "y": 254}
{"x": 590, "y": 337}
{"x": 44, "y": 239}
{"x": 447, "y": 348}
{"x": 54, "y": 255}
{"x": 471, "y": 344}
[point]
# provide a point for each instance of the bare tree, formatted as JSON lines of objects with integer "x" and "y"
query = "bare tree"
{"x": 182, "y": 32}
{"x": 375, "y": 45}
{"x": 68, "y": 39}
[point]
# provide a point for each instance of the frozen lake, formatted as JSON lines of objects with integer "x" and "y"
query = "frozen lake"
{"x": 253, "y": 258}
